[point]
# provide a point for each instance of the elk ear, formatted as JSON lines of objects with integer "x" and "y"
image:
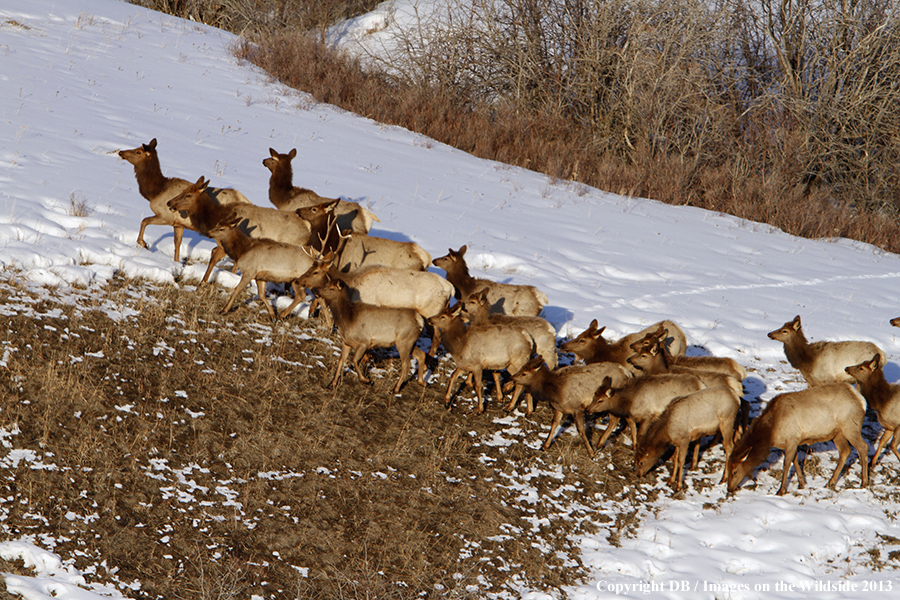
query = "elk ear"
{"x": 272, "y": 153}
{"x": 462, "y": 251}
{"x": 876, "y": 361}
{"x": 796, "y": 323}
{"x": 594, "y": 325}
{"x": 600, "y": 331}
{"x": 292, "y": 153}
{"x": 151, "y": 145}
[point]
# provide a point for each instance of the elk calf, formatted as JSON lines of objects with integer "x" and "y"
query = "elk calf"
{"x": 569, "y": 390}
{"x": 504, "y": 298}
{"x": 263, "y": 260}
{"x": 818, "y": 414}
{"x": 822, "y": 363}
{"x": 640, "y": 400}
{"x": 364, "y": 326}
{"x": 479, "y": 348}
{"x": 687, "y": 419}
{"x": 884, "y": 399}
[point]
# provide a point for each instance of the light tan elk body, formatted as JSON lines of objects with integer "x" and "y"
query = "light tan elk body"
{"x": 590, "y": 346}
{"x": 640, "y": 400}
{"x": 687, "y": 419}
{"x": 569, "y": 390}
{"x": 477, "y": 309}
{"x": 426, "y": 293}
{"x": 159, "y": 189}
{"x": 822, "y": 362}
{"x": 476, "y": 349}
{"x": 196, "y": 203}
{"x": 364, "y": 326}
{"x": 883, "y": 398}
{"x": 818, "y": 414}
{"x": 357, "y": 250}
{"x": 263, "y": 260}
{"x": 505, "y": 298}
{"x": 283, "y": 194}
{"x": 651, "y": 360}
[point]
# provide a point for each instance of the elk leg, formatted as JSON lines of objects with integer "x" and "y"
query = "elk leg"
{"x": 610, "y": 427}
{"x": 479, "y": 389}
{"x": 882, "y": 442}
{"x": 261, "y": 289}
{"x": 579, "y": 425}
{"x": 450, "y": 383}
{"x": 299, "y": 295}
{"x": 554, "y": 426}
{"x": 843, "y": 446}
{"x": 218, "y": 254}
{"x": 345, "y": 352}
{"x": 790, "y": 457}
{"x": 423, "y": 364}
{"x": 357, "y": 357}
{"x": 246, "y": 278}
{"x": 894, "y": 441}
{"x": 862, "y": 448}
{"x": 179, "y": 233}
{"x": 497, "y": 390}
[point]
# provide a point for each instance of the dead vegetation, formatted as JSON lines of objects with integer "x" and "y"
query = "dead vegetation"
{"x": 201, "y": 455}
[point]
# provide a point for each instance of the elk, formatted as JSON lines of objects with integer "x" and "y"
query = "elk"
{"x": 895, "y": 321}
{"x": 477, "y": 309}
{"x": 569, "y": 390}
{"x": 882, "y": 397}
{"x": 159, "y": 189}
{"x": 196, "y": 203}
{"x": 283, "y": 194}
{"x": 479, "y": 348}
{"x": 709, "y": 411}
{"x": 261, "y": 259}
{"x": 817, "y": 414}
{"x": 426, "y": 293}
{"x": 364, "y": 326}
{"x": 652, "y": 359}
{"x": 590, "y": 346}
{"x": 357, "y": 250}
{"x": 822, "y": 362}
{"x": 505, "y": 298}
{"x": 640, "y": 400}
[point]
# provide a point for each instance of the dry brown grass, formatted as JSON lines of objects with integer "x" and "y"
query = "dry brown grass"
{"x": 202, "y": 456}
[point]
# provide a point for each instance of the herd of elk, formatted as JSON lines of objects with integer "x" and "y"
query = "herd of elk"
{"x": 380, "y": 294}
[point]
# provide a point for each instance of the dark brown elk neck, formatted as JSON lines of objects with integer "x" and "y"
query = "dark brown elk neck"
{"x": 151, "y": 181}
{"x": 459, "y": 276}
{"x": 206, "y": 213}
{"x": 454, "y": 335}
{"x": 797, "y": 350}
{"x": 236, "y": 243}
{"x": 341, "y": 307}
{"x": 281, "y": 184}
{"x": 875, "y": 389}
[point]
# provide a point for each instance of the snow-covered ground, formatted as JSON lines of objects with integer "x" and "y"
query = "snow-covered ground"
{"x": 83, "y": 79}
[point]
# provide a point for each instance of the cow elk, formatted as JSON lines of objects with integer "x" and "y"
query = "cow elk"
{"x": 883, "y": 398}
{"x": 159, "y": 189}
{"x": 365, "y": 326}
{"x": 640, "y": 400}
{"x": 477, "y": 309}
{"x": 283, "y": 194}
{"x": 569, "y": 390}
{"x": 590, "y": 345}
{"x": 822, "y": 362}
{"x": 196, "y": 203}
{"x": 505, "y": 298}
{"x": 817, "y": 414}
{"x": 357, "y": 250}
{"x": 709, "y": 411}
{"x": 263, "y": 260}
{"x": 426, "y": 293}
{"x": 476, "y": 349}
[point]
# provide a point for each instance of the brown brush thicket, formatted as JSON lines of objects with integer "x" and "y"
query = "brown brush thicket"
{"x": 777, "y": 112}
